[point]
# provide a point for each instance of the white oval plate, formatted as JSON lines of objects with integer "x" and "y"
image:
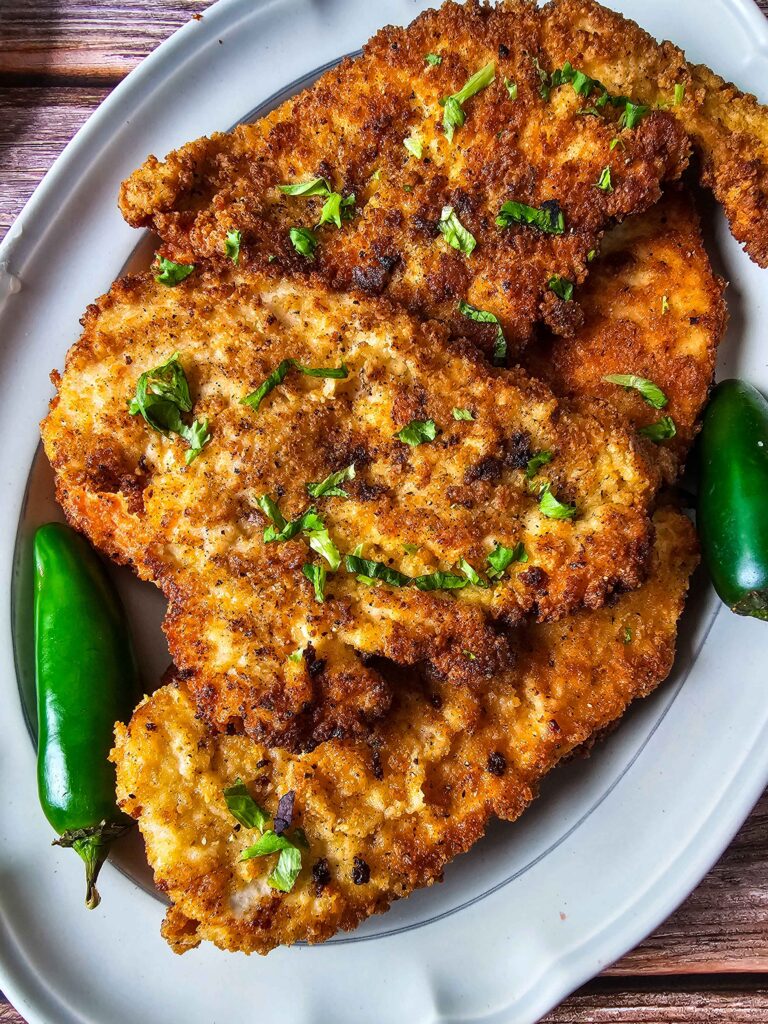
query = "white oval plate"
{"x": 612, "y": 845}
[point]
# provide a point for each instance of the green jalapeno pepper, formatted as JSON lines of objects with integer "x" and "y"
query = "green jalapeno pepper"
{"x": 733, "y": 489}
{"x": 86, "y": 680}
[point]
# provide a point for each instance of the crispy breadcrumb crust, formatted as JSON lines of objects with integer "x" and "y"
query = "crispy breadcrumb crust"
{"x": 349, "y": 128}
{"x": 652, "y": 307}
{"x": 417, "y": 793}
{"x": 239, "y": 607}
{"x": 728, "y": 128}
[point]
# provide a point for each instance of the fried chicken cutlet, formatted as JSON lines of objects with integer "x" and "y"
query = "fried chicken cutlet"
{"x": 466, "y": 497}
{"x": 653, "y": 307}
{"x": 420, "y": 187}
{"x": 386, "y": 816}
{"x": 728, "y": 128}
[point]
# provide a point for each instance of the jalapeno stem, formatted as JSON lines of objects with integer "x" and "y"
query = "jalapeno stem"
{"x": 92, "y": 845}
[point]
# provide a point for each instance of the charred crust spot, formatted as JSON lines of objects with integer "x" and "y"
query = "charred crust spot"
{"x": 535, "y": 578}
{"x": 361, "y": 873}
{"x": 315, "y": 665}
{"x": 497, "y": 763}
{"x": 321, "y": 875}
{"x": 517, "y": 451}
{"x": 374, "y": 278}
{"x": 488, "y": 468}
{"x": 503, "y": 51}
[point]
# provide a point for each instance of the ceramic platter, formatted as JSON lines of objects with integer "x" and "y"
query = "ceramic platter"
{"x": 612, "y": 845}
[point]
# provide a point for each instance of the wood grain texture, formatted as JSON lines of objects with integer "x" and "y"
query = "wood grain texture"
{"x": 59, "y": 60}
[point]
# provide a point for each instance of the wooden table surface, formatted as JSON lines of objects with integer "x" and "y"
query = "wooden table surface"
{"x": 709, "y": 962}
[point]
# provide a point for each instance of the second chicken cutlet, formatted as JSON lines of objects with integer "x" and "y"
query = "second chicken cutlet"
{"x": 336, "y": 481}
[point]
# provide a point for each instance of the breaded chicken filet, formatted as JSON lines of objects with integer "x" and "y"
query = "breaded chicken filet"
{"x": 442, "y": 167}
{"x": 359, "y": 486}
{"x": 654, "y": 309}
{"x": 385, "y": 816}
{"x": 728, "y": 128}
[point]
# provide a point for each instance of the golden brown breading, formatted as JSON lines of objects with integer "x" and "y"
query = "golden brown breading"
{"x": 405, "y": 803}
{"x": 350, "y": 126}
{"x": 238, "y": 606}
{"x": 652, "y": 307}
{"x": 729, "y": 129}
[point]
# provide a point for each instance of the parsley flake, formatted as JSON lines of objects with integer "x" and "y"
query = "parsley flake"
{"x": 548, "y": 217}
{"x": 561, "y": 286}
{"x": 434, "y": 59}
{"x": 417, "y": 432}
{"x": 170, "y": 273}
{"x": 661, "y": 430}
{"x": 664, "y": 305}
{"x": 232, "y": 245}
{"x": 304, "y": 242}
{"x": 439, "y": 581}
{"x": 511, "y": 88}
{"x": 679, "y": 93}
{"x": 244, "y": 808}
{"x": 454, "y": 232}
{"x": 633, "y": 114}
{"x": 414, "y": 146}
{"x": 376, "y": 571}
{"x": 651, "y": 392}
{"x": 329, "y": 488}
{"x": 472, "y": 574}
{"x": 482, "y": 316}
{"x": 162, "y": 395}
{"x": 278, "y": 375}
{"x": 627, "y": 635}
{"x": 536, "y": 462}
{"x": 316, "y": 574}
{"x": 604, "y": 182}
{"x": 552, "y": 508}
{"x": 314, "y": 187}
{"x": 462, "y": 414}
{"x": 453, "y": 111}
{"x": 335, "y": 209}
{"x": 502, "y": 557}
{"x": 286, "y": 871}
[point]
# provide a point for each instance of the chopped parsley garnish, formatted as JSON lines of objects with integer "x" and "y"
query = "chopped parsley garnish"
{"x": 417, "y": 432}
{"x": 604, "y": 182}
{"x": 335, "y": 209}
{"x": 439, "y": 581}
{"x": 552, "y": 508}
{"x": 679, "y": 93}
{"x": 376, "y": 571}
{"x": 304, "y": 242}
{"x": 454, "y": 232}
{"x": 591, "y": 255}
{"x": 664, "y": 305}
{"x": 616, "y": 142}
{"x": 544, "y": 83}
{"x": 309, "y": 523}
{"x": 462, "y": 414}
{"x": 314, "y": 187}
{"x": 582, "y": 84}
{"x": 243, "y": 807}
{"x": 296, "y": 655}
{"x": 162, "y": 395}
{"x": 511, "y": 88}
{"x": 633, "y": 114}
{"x": 411, "y": 549}
{"x": 232, "y": 245}
{"x": 434, "y": 59}
{"x": 651, "y": 392}
{"x": 662, "y": 430}
{"x": 278, "y": 375}
{"x": 548, "y": 217}
{"x": 283, "y": 876}
{"x": 472, "y": 574}
{"x": 627, "y": 635}
{"x": 329, "y": 488}
{"x": 320, "y": 541}
{"x": 171, "y": 273}
{"x": 536, "y": 462}
{"x": 414, "y": 146}
{"x": 482, "y": 316}
{"x": 502, "y": 557}
{"x": 562, "y": 287}
{"x": 453, "y": 111}
{"x": 316, "y": 574}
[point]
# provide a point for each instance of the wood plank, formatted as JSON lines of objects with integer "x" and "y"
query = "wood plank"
{"x": 723, "y": 925}
{"x": 35, "y": 125}
{"x": 83, "y": 38}
{"x": 90, "y": 40}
